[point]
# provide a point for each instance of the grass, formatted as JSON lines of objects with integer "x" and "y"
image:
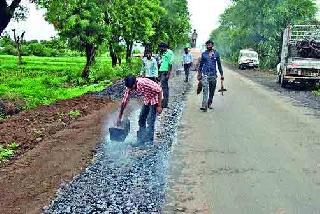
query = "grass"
{"x": 317, "y": 93}
{"x": 45, "y": 80}
{"x": 74, "y": 114}
{"x": 8, "y": 151}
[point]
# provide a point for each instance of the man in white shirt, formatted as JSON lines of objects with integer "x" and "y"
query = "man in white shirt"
{"x": 149, "y": 67}
{"x": 187, "y": 62}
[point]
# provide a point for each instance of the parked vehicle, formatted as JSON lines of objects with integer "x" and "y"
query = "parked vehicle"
{"x": 300, "y": 55}
{"x": 248, "y": 58}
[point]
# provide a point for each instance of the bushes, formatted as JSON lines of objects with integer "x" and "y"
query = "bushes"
{"x": 10, "y": 50}
{"x": 52, "y": 48}
{"x": 102, "y": 71}
{"x": 38, "y": 49}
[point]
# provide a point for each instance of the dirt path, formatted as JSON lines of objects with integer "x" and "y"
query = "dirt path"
{"x": 256, "y": 152}
{"x": 30, "y": 182}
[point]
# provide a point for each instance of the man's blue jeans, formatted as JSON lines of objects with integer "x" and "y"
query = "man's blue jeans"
{"x": 147, "y": 121}
{"x": 164, "y": 80}
{"x": 209, "y": 86}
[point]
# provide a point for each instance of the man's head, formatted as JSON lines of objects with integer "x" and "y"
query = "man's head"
{"x": 163, "y": 47}
{"x": 148, "y": 54}
{"x": 210, "y": 45}
{"x": 130, "y": 81}
{"x": 186, "y": 50}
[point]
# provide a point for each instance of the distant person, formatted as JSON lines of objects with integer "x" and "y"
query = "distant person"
{"x": 165, "y": 71}
{"x": 152, "y": 98}
{"x": 187, "y": 59}
{"x": 149, "y": 67}
{"x": 207, "y": 74}
{"x": 194, "y": 38}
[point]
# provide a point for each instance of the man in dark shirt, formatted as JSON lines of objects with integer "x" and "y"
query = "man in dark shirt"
{"x": 207, "y": 74}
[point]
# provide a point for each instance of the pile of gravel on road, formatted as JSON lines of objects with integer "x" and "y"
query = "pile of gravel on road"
{"x": 124, "y": 177}
{"x": 115, "y": 91}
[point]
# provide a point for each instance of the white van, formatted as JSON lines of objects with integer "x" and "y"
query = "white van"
{"x": 248, "y": 59}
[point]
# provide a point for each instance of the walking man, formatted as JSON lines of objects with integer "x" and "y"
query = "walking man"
{"x": 194, "y": 38}
{"x": 165, "y": 71}
{"x": 149, "y": 67}
{"x": 187, "y": 62}
{"x": 152, "y": 98}
{"x": 207, "y": 74}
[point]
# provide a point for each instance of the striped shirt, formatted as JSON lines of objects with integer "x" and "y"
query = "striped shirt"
{"x": 147, "y": 88}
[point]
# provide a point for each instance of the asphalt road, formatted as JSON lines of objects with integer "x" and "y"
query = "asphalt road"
{"x": 256, "y": 152}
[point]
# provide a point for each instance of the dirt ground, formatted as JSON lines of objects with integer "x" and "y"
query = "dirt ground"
{"x": 54, "y": 147}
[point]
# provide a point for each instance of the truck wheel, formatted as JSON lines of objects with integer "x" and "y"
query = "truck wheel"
{"x": 279, "y": 78}
{"x": 283, "y": 82}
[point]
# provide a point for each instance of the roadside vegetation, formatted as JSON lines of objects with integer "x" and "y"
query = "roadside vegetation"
{"x": 45, "y": 80}
{"x": 261, "y": 28}
{"x": 7, "y": 151}
{"x": 89, "y": 50}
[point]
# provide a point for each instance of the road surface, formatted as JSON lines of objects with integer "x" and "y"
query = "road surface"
{"x": 255, "y": 152}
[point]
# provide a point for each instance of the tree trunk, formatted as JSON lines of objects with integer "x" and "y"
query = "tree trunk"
{"x": 19, "y": 55}
{"x": 18, "y": 41}
{"x": 129, "y": 51}
{"x": 119, "y": 60}
{"x": 90, "y": 55}
{"x": 112, "y": 55}
{"x": 6, "y": 13}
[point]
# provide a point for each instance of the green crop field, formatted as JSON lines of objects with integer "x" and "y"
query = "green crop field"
{"x": 44, "y": 80}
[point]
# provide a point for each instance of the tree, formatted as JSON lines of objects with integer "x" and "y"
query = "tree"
{"x": 90, "y": 24}
{"x": 261, "y": 28}
{"x": 18, "y": 41}
{"x": 174, "y": 25}
{"x": 130, "y": 21}
{"x": 81, "y": 23}
{"x": 138, "y": 20}
{"x": 9, "y": 11}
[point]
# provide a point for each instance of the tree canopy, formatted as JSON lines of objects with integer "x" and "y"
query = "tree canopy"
{"x": 88, "y": 24}
{"x": 259, "y": 24}
{"x": 11, "y": 9}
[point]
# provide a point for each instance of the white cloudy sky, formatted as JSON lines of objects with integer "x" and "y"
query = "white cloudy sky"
{"x": 204, "y": 18}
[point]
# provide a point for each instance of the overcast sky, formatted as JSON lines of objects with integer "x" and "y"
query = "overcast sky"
{"x": 204, "y": 17}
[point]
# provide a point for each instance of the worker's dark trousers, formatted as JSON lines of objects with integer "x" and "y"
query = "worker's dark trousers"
{"x": 187, "y": 70}
{"x": 165, "y": 88}
{"x": 147, "y": 121}
{"x": 209, "y": 87}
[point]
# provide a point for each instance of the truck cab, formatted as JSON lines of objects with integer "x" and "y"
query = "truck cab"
{"x": 248, "y": 58}
{"x": 300, "y": 56}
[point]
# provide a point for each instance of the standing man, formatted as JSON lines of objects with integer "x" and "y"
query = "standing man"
{"x": 149, "y": 67}
{"x": 152, "y": 98}
{"x": 210, "y": 60}
{"x": 165, "y": 71}
{"x": 187, "y": 62}
{"x": 194, "y": 38}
